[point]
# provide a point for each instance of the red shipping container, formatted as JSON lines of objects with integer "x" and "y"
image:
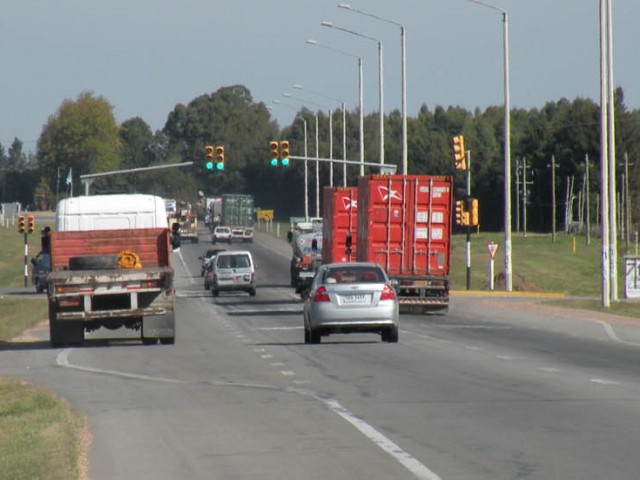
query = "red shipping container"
{"x": 404, "y": 223}
{"x": 339, "y": 216}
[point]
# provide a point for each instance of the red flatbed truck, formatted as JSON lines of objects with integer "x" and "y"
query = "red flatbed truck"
{"x": 404, "y": 224}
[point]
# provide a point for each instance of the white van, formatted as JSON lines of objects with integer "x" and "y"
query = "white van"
{"x": 111, "y": 212}
{"x": 233, "y": 270}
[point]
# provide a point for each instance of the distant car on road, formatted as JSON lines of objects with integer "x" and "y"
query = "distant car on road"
{"x": 233, "y": 270}
{"x": 221, "y": 234}
{"x": 350, "y": 298}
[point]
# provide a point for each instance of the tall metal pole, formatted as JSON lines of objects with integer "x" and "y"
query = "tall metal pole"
{"x": 330, "y": 148}
{"x": 467, "y": 207}
{"x": 524, "y": 196}
{"x": 507, "y": 160}
{"x": 381, "y": 100}
{"x": 587, "y": 200}
{"x": 403, "y": 75}
{"x": 361, "y": 88}
{"x": 553, "y": 198}
{"x": 405, "y": 150}
{"x": 613, "y": 231}
{"x": 331, "y": 25}
{"x": 627, "y": 212}
{"x": 507, "y": 147}
{"x": 604, "y": 163}
{"x": 306, "y": 174}
{"x": 317, "y": 171}
{"x": 344, "y": 114}
{"x": 517, "y": 195}
{"x": 344, "y": 145}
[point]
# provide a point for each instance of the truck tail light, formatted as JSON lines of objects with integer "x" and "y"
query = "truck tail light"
{"x": 388, "y": 293}
{"x": 321, "y": 295}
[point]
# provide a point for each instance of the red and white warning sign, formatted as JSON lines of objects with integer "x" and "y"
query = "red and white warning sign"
{"x": 492, "y": 248}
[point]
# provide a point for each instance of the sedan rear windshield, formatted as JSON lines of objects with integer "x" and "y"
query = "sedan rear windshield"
{"x": 354, "y": 275}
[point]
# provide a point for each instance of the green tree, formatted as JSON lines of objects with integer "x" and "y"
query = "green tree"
{"x": 82, "y": 136}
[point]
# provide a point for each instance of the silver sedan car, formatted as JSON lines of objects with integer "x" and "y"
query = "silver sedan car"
{"x": 350, "y": 298}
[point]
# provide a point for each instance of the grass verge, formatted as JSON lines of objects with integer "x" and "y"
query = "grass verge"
{"x": 40, "y": 435}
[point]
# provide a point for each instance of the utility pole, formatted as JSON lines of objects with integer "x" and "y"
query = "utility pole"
{"x": 553, "y": 198}
{"x": 588, "y": 213}
{"x": 518, "y": 195}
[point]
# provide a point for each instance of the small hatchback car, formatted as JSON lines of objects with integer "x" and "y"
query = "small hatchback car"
{"x": 233, "y": 270}
{"x": 350, "y": 298}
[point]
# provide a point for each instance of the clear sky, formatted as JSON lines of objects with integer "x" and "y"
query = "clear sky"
{"x": 147, "y": 56}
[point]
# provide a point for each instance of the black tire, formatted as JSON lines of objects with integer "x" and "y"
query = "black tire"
{"x": 390, "y": 335}
{"x": 252, "y": 291}
{"x": 312, "y": 336}
{"x": 149, "y": 341}
{"x": 94, "y": 262}
{"x": 215, "y": 292}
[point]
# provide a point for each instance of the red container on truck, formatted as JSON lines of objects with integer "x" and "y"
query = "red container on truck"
{"x": 404, "y": 224}
{"x": 339, "y": 217}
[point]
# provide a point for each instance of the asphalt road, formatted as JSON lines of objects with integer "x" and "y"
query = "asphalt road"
{"x": 500, "y": 388}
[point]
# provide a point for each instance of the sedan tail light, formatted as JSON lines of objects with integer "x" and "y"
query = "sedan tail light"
{"x": 321, "y": 295}
{"x": 388, "y": 293}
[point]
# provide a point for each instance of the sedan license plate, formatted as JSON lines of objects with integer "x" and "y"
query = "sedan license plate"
{"x": 355, "y": 299}
{"x": 307, "y": 274}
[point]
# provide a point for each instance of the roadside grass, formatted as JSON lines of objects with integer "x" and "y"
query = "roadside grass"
{"x": 41, "y": 436}
{"x": 539, "y": 265}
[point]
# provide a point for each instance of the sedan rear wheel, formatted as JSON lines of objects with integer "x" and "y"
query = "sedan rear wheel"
{"x": 390, "y": 335}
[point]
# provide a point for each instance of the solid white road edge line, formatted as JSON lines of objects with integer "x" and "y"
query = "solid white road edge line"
{"x": 404, "y": 458}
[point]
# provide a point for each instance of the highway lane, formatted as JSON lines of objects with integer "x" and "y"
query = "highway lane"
{"x": 498, "y": 388}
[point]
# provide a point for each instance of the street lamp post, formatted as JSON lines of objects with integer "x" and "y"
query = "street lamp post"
{"x": 403, "y": 36}
{"x": 361, "y": 103}
{"x": 344, "y": 134}
{"x": 306, "y": 169}
{"x": 507, "y": 147}
{"x": 380, "y": 79}
{"x": 288, "y": 95}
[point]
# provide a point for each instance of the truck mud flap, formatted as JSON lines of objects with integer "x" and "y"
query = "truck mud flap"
{"x": 159, "y": 327}
{"x": 64, "y": 332}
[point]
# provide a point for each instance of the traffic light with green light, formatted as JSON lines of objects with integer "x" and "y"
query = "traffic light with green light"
{"x": 208, "y": 156}
{"x": 274, "y": 149}
{"x": 220, "y": 158}
{"x": 284, "y": 153}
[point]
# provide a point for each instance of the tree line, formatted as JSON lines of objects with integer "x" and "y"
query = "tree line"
{"x": 83, "y": 137}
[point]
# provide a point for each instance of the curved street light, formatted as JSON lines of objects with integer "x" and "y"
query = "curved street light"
{"x": 344, "y": 134}
{"x": 507, "y": 147}
{"x": 403, "y": 53}
{"x": 288, "y": 95}
{"x": 380, "y": 78}
{"x": 361, "y": 102}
